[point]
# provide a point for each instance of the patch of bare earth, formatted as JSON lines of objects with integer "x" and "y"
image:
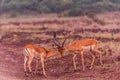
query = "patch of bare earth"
{"x": 11, "y": 68}
{"x": 39, "y": 31}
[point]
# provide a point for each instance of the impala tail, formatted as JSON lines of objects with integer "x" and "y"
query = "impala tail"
{"x": 26, "y": 53}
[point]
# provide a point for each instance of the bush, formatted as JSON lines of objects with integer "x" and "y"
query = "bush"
{"x": 73, "y": 7}
{"x": 75, "y": 12}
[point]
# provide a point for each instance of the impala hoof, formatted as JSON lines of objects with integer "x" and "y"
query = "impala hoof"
{"x": 83, "y": 69}
{"x": 91, "y": 67}
{"x": 45, "y": 75}
{"x": 102, "y": 65}
{"x": 75, "y": 70}
{"x": 26, "y": 74}
{"x": 32, "y": 74}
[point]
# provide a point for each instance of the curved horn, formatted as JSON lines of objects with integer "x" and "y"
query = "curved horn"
{"x": 65, "y": 38}
{"x": 55, "y": 40}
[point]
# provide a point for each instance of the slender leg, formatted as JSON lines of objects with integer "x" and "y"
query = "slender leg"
{"x": 37, "y": 61}
{"x": 25, "y": 63}
{"x": 82, "y": 59}
{"x": 43, "y": 67}
{"x": 93, "y": 60}
{"x": 29, "y": 63}
{"x": 100, "y": 53}
{"x": 74, "y": 63}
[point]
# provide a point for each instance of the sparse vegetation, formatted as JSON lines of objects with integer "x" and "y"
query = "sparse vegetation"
{"x": 34, "y": 21}
{"x": 72, "y": 7}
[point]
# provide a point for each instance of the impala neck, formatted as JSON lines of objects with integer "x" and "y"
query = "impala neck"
{"x": 67, "y": 47}
{"x": 50, "y": 53}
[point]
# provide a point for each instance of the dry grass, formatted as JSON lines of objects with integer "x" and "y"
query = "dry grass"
{"x": 16, "y": 32}
{"x": 41, "y": 27}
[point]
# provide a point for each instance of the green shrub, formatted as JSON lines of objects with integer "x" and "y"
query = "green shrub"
{"x": 75, "y": 12}
{"x": 74, "y": 7}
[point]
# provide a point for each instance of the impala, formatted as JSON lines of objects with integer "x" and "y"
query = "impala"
{"x": 39, "y": 53}
{"x": 79, "y": 46}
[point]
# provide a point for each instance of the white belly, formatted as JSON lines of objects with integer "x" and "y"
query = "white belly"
{"x": 91, "y": 47}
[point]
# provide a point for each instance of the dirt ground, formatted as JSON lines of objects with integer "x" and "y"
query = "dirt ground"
{"x": 17, "y": 34}
{"x": 11, "y": 68}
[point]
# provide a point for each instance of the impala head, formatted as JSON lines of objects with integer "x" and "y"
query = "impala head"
{"x": 60, "y": 47}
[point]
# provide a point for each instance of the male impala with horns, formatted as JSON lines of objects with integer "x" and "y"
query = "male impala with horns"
{"x": 78, "y": 47}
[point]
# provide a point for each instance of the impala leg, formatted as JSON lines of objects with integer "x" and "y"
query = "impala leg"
{"x": 43, "y": 67}
{"x": 29, "y": 63}
{"x": 37, "y": 61}
{"x": 74, "y": 63}
{"x": 100, "y": 53}
{"x": 25, "y": 63}
{"x": 93, "y": 60}
{"x": 82, "y": 59}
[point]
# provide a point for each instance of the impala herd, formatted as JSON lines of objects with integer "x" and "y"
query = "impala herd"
{"x": 32, "y": 51}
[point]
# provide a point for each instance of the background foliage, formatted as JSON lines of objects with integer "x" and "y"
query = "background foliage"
{"x": 65, "y": 7}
